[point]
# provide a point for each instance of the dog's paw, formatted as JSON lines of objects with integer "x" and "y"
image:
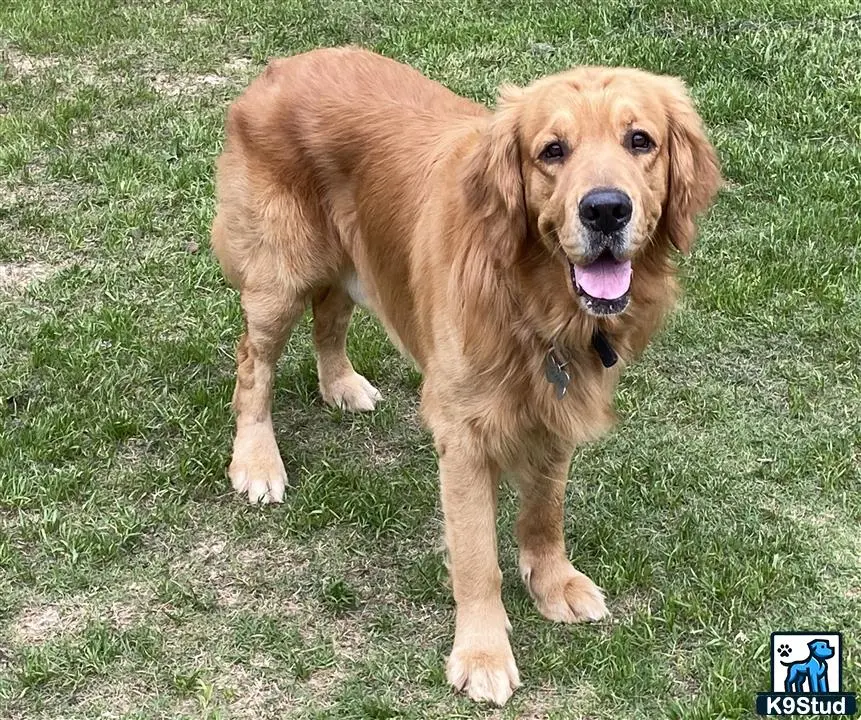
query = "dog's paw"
{"x": 563, "y": 594}
{"x": 486, "y": 675}
{"x": 257, "y": 468}
{"x": 351, "y": 392}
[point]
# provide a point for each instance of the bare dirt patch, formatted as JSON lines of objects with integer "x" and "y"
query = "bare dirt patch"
{"x": 40, "y": 191}
{"x": 42, "y": 623}
{"x": 176, "y": 85}
{"x": 15, "y": 277}
{"x": 39, "y": 623}
{"x": 22, "y": 64}
{"x": 238, "y": 66}
{"x": 232, "y": 573}
{"x": 249, "y": 695}
{"x": 579, "y": 702}
{"x": 235, "y": 71}
{"x": 625, "y": 608}
{"x": 193, "y": 20}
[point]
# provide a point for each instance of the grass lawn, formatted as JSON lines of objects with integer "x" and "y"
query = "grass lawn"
{"x": 135, "y": 584}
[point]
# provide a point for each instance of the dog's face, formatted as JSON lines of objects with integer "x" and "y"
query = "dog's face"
{"x": 606, "y": 159}
{"x": 821, "y": 649}
{"x": 595, "y": 161}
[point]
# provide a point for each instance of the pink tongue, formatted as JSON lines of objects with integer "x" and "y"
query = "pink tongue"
{"x": 605, "y": 278}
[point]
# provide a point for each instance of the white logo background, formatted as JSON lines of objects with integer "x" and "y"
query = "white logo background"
{"x": 799, "y": 652}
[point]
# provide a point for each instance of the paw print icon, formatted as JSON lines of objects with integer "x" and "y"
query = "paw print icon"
{"x": 784, "y": 650}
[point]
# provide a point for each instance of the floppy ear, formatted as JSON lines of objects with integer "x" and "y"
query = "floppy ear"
{"x": 694, "y": 174}
{"x": 493, "y": 182}
{"x": 491, "y": 232}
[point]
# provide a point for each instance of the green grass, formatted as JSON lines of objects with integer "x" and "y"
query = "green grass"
{"x": 134, "y": 584}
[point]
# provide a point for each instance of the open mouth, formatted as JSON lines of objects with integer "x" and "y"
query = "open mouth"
{"x": 604, "y": 284}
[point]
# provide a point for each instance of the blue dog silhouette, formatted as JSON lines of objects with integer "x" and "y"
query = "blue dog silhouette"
{"x": 814, "y": 670}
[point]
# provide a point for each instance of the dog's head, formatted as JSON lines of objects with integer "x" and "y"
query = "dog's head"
{"x": 597, "y": 164}
{"x": 820, "y": 649}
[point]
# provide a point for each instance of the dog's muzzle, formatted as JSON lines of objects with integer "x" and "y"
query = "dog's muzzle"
{"x": 604, "y": 281}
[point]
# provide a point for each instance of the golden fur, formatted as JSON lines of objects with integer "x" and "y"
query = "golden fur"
{"x": 345, "y": 172}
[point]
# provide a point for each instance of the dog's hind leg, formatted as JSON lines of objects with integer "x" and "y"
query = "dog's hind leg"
{"x": 794, "y": 679}
{"x": 340, "y": 384}
{"x": 269, "y": 250}
{"x": 270, "y": 238}
{"x": 256, "y": 467}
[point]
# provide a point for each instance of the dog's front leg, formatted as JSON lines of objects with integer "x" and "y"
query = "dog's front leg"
{"x": 481, "y": 662}
{"x": 560, "y": 592}
{"x": 818, "y": 679}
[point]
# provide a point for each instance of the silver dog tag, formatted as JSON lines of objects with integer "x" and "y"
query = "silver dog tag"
{"x": 556, "y": 374}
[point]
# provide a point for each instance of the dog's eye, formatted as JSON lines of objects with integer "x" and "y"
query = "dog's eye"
{"x": 639, "y": 141}
{"x": 553, "y": 152}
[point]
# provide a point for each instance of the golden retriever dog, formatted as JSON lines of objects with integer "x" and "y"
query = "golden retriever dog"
{"x": 515, "y": 255}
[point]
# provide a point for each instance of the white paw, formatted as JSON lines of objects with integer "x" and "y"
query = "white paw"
{"x": 485, "y": 674}
{"x": 563, "y": 594}
{"x": 351, "y": 392}
{"x": 257, "y": 468}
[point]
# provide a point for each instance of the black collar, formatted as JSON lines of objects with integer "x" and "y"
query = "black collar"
{"x": 604, "y": 349}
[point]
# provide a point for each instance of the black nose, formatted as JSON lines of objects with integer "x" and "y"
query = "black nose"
{"x": 605, "y": 209}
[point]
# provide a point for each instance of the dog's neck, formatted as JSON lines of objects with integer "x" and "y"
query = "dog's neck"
{"x": 555, "y": 362}
{"x": 566, "y": 335}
